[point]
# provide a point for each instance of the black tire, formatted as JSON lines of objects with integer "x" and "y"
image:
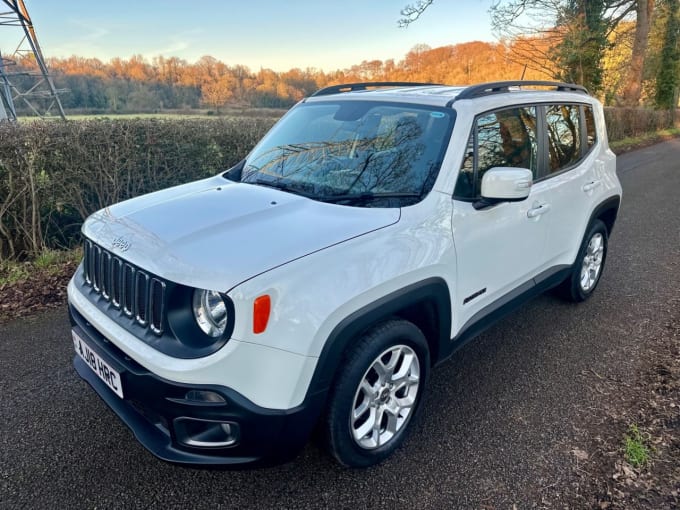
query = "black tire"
{"x": 404, "y": 339}
{"x": 572, "y": 289}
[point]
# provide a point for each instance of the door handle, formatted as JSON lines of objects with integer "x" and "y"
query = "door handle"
{"x": 590, "y": 186}
{"x": 536, "y": 211}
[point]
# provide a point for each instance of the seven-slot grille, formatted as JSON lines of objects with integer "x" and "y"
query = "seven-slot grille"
{"x": 138, "y": 294}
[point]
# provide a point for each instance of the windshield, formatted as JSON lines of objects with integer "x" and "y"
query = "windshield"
{"x": 372, "y": 154}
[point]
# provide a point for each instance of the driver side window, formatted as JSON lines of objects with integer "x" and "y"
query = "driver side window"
{"x": 501, "y": 138}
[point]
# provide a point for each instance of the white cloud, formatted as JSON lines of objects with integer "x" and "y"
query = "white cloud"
{"x": 83, "y": 41}
{"x": 177, "y": 45}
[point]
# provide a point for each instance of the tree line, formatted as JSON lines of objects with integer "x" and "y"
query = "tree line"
{"x": 627, "y": 52}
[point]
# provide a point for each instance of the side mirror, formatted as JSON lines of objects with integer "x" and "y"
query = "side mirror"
{"x": 504, "y": 184}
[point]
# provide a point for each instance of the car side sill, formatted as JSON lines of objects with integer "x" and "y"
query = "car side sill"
{"x": 503, "y": 306}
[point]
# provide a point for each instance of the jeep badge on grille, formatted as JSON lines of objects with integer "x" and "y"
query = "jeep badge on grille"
{"x": 120, "y": 243}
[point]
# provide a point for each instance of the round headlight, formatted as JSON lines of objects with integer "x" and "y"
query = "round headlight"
{"x": 210, "y": 312}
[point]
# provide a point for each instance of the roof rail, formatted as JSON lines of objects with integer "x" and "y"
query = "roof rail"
{"x": 496, "y": 87}
{"x": 351, "y": 87}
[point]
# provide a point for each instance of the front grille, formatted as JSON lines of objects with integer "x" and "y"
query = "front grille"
{"x": 140, "y": 295}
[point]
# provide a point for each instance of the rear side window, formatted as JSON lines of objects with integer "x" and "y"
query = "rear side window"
{"x": 564, "y": 136}
{"x": 591, "y": 132}
{"x": 501, "y": 138}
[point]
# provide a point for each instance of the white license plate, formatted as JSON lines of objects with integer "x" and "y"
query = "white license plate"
{"x": 100, "y": 367}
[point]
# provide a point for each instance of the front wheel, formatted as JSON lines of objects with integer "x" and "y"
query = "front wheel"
{"x": 376, "y": 397}
{"x": 589, "y": 264}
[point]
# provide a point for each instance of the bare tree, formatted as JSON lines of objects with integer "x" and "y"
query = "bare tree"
{"x": 412, "y": 12}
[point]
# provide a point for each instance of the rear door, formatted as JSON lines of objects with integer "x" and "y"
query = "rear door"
{"x": 573, "y": 173}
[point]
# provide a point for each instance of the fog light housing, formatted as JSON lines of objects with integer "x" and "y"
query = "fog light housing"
{"x": 204, "y": 397}
{"x": 206, "y": 433}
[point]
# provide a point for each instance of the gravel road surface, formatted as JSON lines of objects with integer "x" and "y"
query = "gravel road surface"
{"x": 500, "y": 426}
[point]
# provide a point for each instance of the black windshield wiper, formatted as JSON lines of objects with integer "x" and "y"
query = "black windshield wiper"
{"x": 366, "y": 196}
{"x": 283, "y": 187}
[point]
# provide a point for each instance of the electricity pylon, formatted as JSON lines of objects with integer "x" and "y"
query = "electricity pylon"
{"x": 34, "y": 88}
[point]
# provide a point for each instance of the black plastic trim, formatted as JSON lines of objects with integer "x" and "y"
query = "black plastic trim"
{"x": 499, "y": 87}
{"x": 151, "y": 404}
{"x": 543, "y": 155}
{"x": 583, "y": 132}
{"x": 483, "y": 203}
{"x": 436, "y": 291}
{"x": 352, "y": 87}
{"x": 612, "y": 203}
{"x": 433, "y": 290}
{"x": 492, "y": 313}
{"x": 234, "y": 173}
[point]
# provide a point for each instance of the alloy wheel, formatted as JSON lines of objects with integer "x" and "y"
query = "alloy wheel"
{"x": 385, "y": 398}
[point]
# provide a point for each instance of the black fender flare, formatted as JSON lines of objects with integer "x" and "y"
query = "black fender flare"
{"x": 432, "y": 290}
{"x": 611, "y": 203}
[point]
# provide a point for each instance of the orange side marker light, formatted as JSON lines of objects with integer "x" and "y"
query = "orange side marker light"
{"x": 262, "y": 307}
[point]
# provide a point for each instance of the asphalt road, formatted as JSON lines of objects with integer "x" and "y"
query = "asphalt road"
{"x": 499, "y": 427}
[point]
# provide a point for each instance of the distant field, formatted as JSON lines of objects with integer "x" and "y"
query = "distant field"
{"x": 128, "y": 116}
{"x": 267, "y": 113}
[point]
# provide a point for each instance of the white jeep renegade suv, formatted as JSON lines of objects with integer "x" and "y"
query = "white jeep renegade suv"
{"x": 371, "y": 232}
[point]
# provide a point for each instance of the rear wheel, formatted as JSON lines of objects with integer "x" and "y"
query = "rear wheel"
{"x": 589, "y": 264}
{"x": 377, "y": 396}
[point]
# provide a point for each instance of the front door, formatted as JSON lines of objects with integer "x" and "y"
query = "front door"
{"x": 500, "y": 248}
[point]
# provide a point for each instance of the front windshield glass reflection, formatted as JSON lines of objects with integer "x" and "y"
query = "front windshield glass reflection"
{"x": 385, "y": 152}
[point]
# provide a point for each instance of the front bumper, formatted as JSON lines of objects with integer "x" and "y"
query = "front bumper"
{"x": 152, "y": 406}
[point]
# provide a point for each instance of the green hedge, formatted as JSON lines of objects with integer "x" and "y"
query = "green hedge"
{"x": 631, "y": 122}
{"x": 54, "y": 174}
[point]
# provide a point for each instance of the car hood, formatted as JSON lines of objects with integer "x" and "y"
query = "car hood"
{"x": 215, "y": 233}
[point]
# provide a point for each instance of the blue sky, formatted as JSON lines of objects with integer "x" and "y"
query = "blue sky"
{"x": 256, "y": 33}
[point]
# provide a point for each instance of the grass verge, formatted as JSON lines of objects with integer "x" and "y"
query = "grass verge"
{"x": 628, "y": 144}
{"x": 229, "y": 112}
{"x": 13, "y": 272}
{"x": 50, "y": 261}
{"x": 30, "y": 286}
